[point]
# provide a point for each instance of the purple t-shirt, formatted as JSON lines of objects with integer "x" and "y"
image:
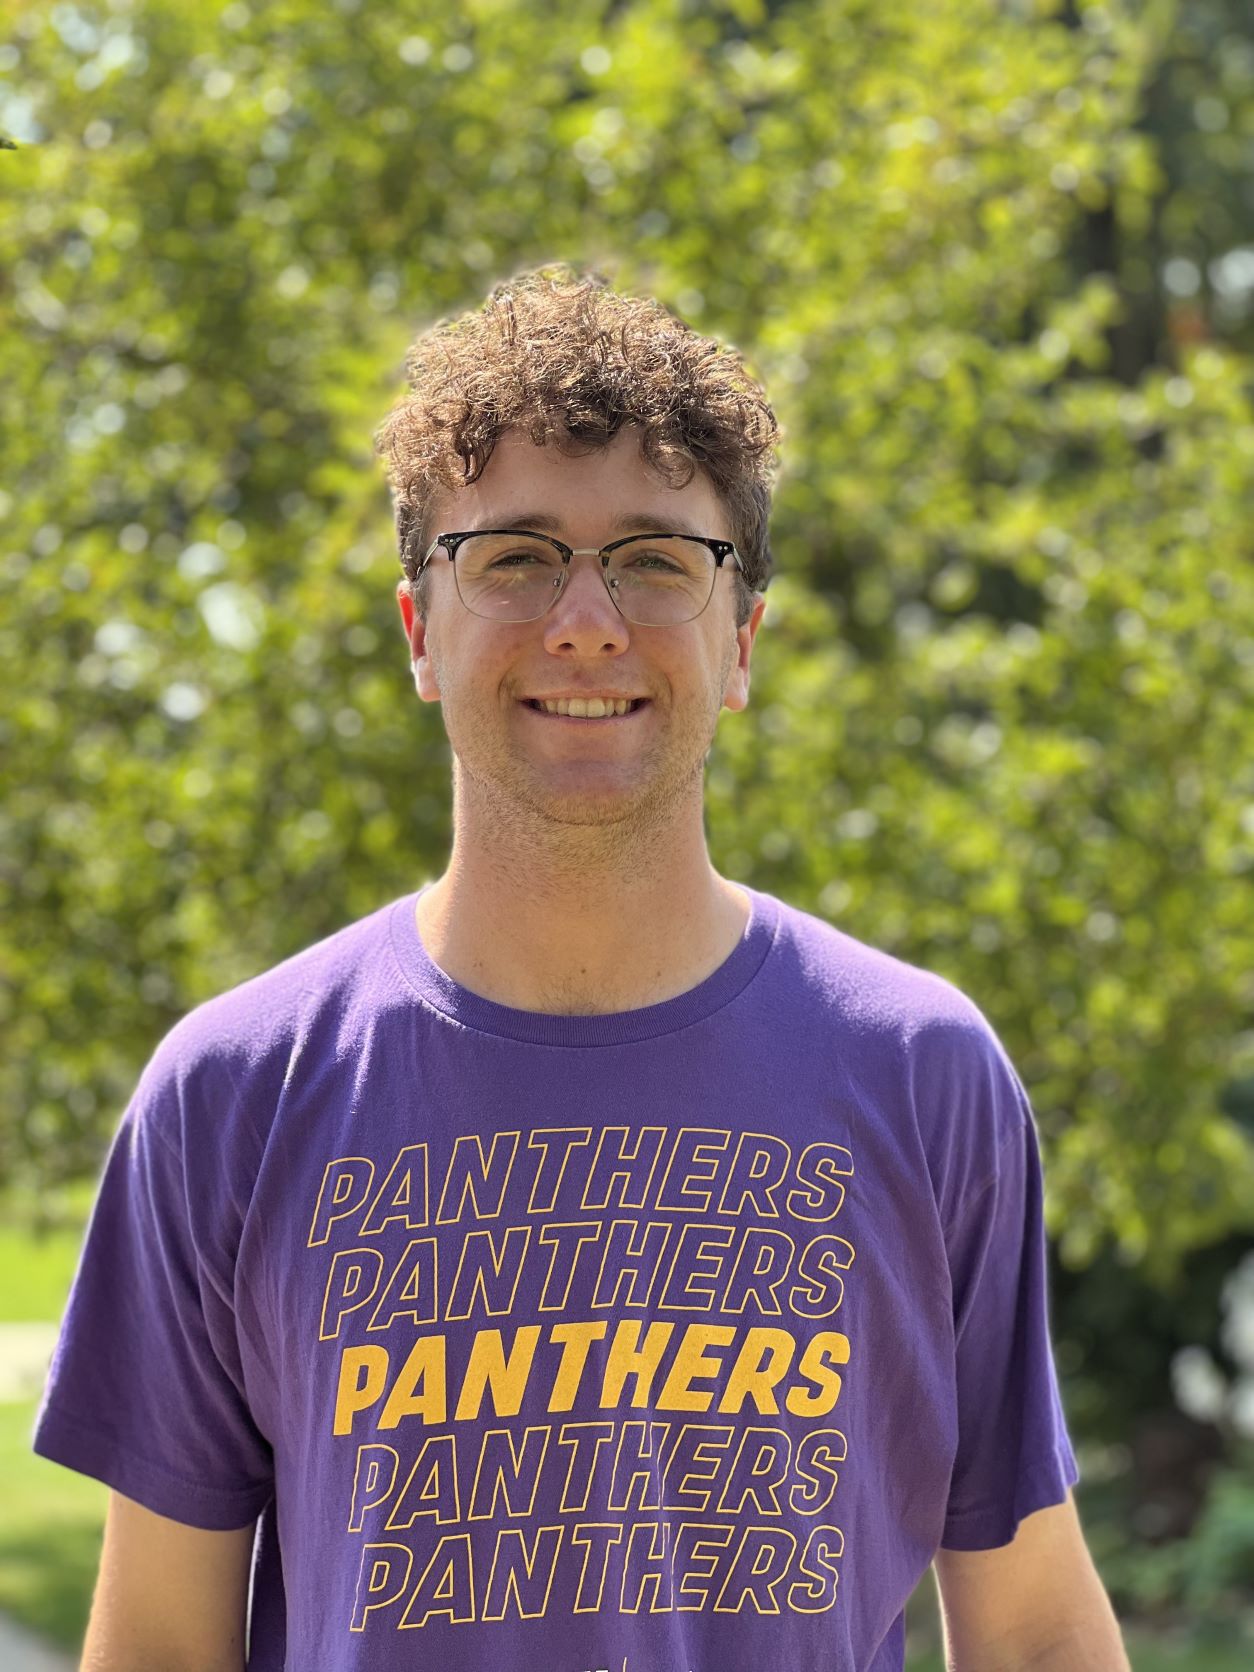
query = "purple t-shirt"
{"x": 678, "y": 1338}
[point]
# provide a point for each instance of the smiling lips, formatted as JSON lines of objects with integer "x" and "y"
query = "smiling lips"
{"x": 586, "y": 708}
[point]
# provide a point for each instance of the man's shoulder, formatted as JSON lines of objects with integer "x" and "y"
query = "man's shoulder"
{"x": 913, "y": 1034}
{"x": 331, "y": 987}
{"x": 872, "y": 988}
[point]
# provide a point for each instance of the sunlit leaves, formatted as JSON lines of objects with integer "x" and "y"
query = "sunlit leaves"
{"x": 1000, "y": 717}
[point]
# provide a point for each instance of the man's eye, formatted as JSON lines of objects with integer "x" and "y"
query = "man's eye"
{"x": 511, "y": 558}
{"x": 655, "y": 560}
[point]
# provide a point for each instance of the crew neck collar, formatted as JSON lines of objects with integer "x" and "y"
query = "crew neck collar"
{"x": 440, "y": 992}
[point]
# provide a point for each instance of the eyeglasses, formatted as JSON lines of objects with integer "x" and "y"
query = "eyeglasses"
{"x": 655, "y": 580}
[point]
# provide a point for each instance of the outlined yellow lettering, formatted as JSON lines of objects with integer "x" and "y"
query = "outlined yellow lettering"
{"x": 761, "y": 1267}
{"x": 372, "y": 1462}
{"x": 700, "y": 1554}
{"x": 402, "y": 1195}
{"x": 758, "y": 1168}
{"x": 638, "y": 1458}
{"x": 585, "y": 1440}
{"x": 649, "y": 1567}
{"x": 757, "y": 1570}
{"x": 555, "y": 1145}
{"x": 699, "y": 1452}
{"x": 431, "y": 1487}
{"x": 566, "y": 1240}
{"x": 694, "y": 1272}
{"x": 824, "y": 1548}
{"x": 525, "y": 1575}
{"x": 600, "y": 1537}
{"x": 348, "y": 1287}
{"x": 447, "y": 1585}
{"x": 633, "y": 1255}
{"x": 346, "y": 1184}
{"x": 760, "y": 1466}
{"x": 487, "y": 1274}
{"x": 819, "y": 1195}
{"x": 413, "y": 1290}
{"x": 508, "y": 1473}
{"x": 631, "y": 1169}
{"x": 817, "y": 1453}
{"x": 381, "y": 1580}
{"x": 822, "y": 1288}
{"x": 481, "y": 1180}
{"x": 695, "y": 1159}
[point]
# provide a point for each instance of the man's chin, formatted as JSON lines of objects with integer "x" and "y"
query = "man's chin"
{"x": 585, "y": 796}
{"x": 588, "y": 809}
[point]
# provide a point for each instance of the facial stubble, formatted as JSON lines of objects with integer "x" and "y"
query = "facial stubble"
{"x": 496, "y": 790}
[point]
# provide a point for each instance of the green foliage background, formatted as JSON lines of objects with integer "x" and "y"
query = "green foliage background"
{"x": 985, "y": 255}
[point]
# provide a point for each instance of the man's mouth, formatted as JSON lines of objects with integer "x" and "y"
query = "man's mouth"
{"x": 587, "y": 708}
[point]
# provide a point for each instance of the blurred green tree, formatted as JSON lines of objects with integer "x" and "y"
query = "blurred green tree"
{"x": 1001, "y": 722}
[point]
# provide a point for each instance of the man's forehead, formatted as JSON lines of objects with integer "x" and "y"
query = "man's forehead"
{"x": 659, "y": 521}
{"x": 525, "y": 485}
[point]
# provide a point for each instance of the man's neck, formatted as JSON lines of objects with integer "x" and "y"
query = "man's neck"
{"x": 564, "y": 938}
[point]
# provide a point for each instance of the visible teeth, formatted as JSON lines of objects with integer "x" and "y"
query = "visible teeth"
{"x": 589, "y": 708}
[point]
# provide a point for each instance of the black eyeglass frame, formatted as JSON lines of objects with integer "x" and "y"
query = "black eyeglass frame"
{"x": 719, "y": 549}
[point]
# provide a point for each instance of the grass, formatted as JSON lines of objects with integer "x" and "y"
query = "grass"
{"x": 1145, "y": 1654}
{"x": 52, "y": 1518}
{"x": 36, "y": 1267}
{"x": 50, "y": 1530}
{"x": 1149, "y": 1656}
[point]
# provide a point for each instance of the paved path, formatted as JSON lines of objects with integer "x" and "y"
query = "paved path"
{"x": 25, "y": 1353}
{"x": 20, "y": 1652}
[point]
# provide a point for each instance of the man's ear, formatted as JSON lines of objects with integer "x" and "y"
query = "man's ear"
{"x": 736, "y": 690}
{"x": 416, "y": 637}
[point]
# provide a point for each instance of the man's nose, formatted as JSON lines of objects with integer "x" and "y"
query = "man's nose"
{"x": 584, "y": 615}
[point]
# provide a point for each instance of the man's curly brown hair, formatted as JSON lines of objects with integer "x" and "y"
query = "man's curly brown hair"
{"x": 557, "y": 354}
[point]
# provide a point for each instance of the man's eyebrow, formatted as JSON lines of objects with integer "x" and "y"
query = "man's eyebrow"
{"x": 630, "y": 522}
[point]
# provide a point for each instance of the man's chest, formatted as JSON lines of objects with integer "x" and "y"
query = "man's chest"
{"x": 612, "y": 1364}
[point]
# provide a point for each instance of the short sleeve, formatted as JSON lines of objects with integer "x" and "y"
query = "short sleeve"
{"x": 1014, "y": 1455}
{"x": 146, "y": 1389}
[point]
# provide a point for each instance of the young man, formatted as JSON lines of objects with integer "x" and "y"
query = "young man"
{"x": 583, "y": 1261}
